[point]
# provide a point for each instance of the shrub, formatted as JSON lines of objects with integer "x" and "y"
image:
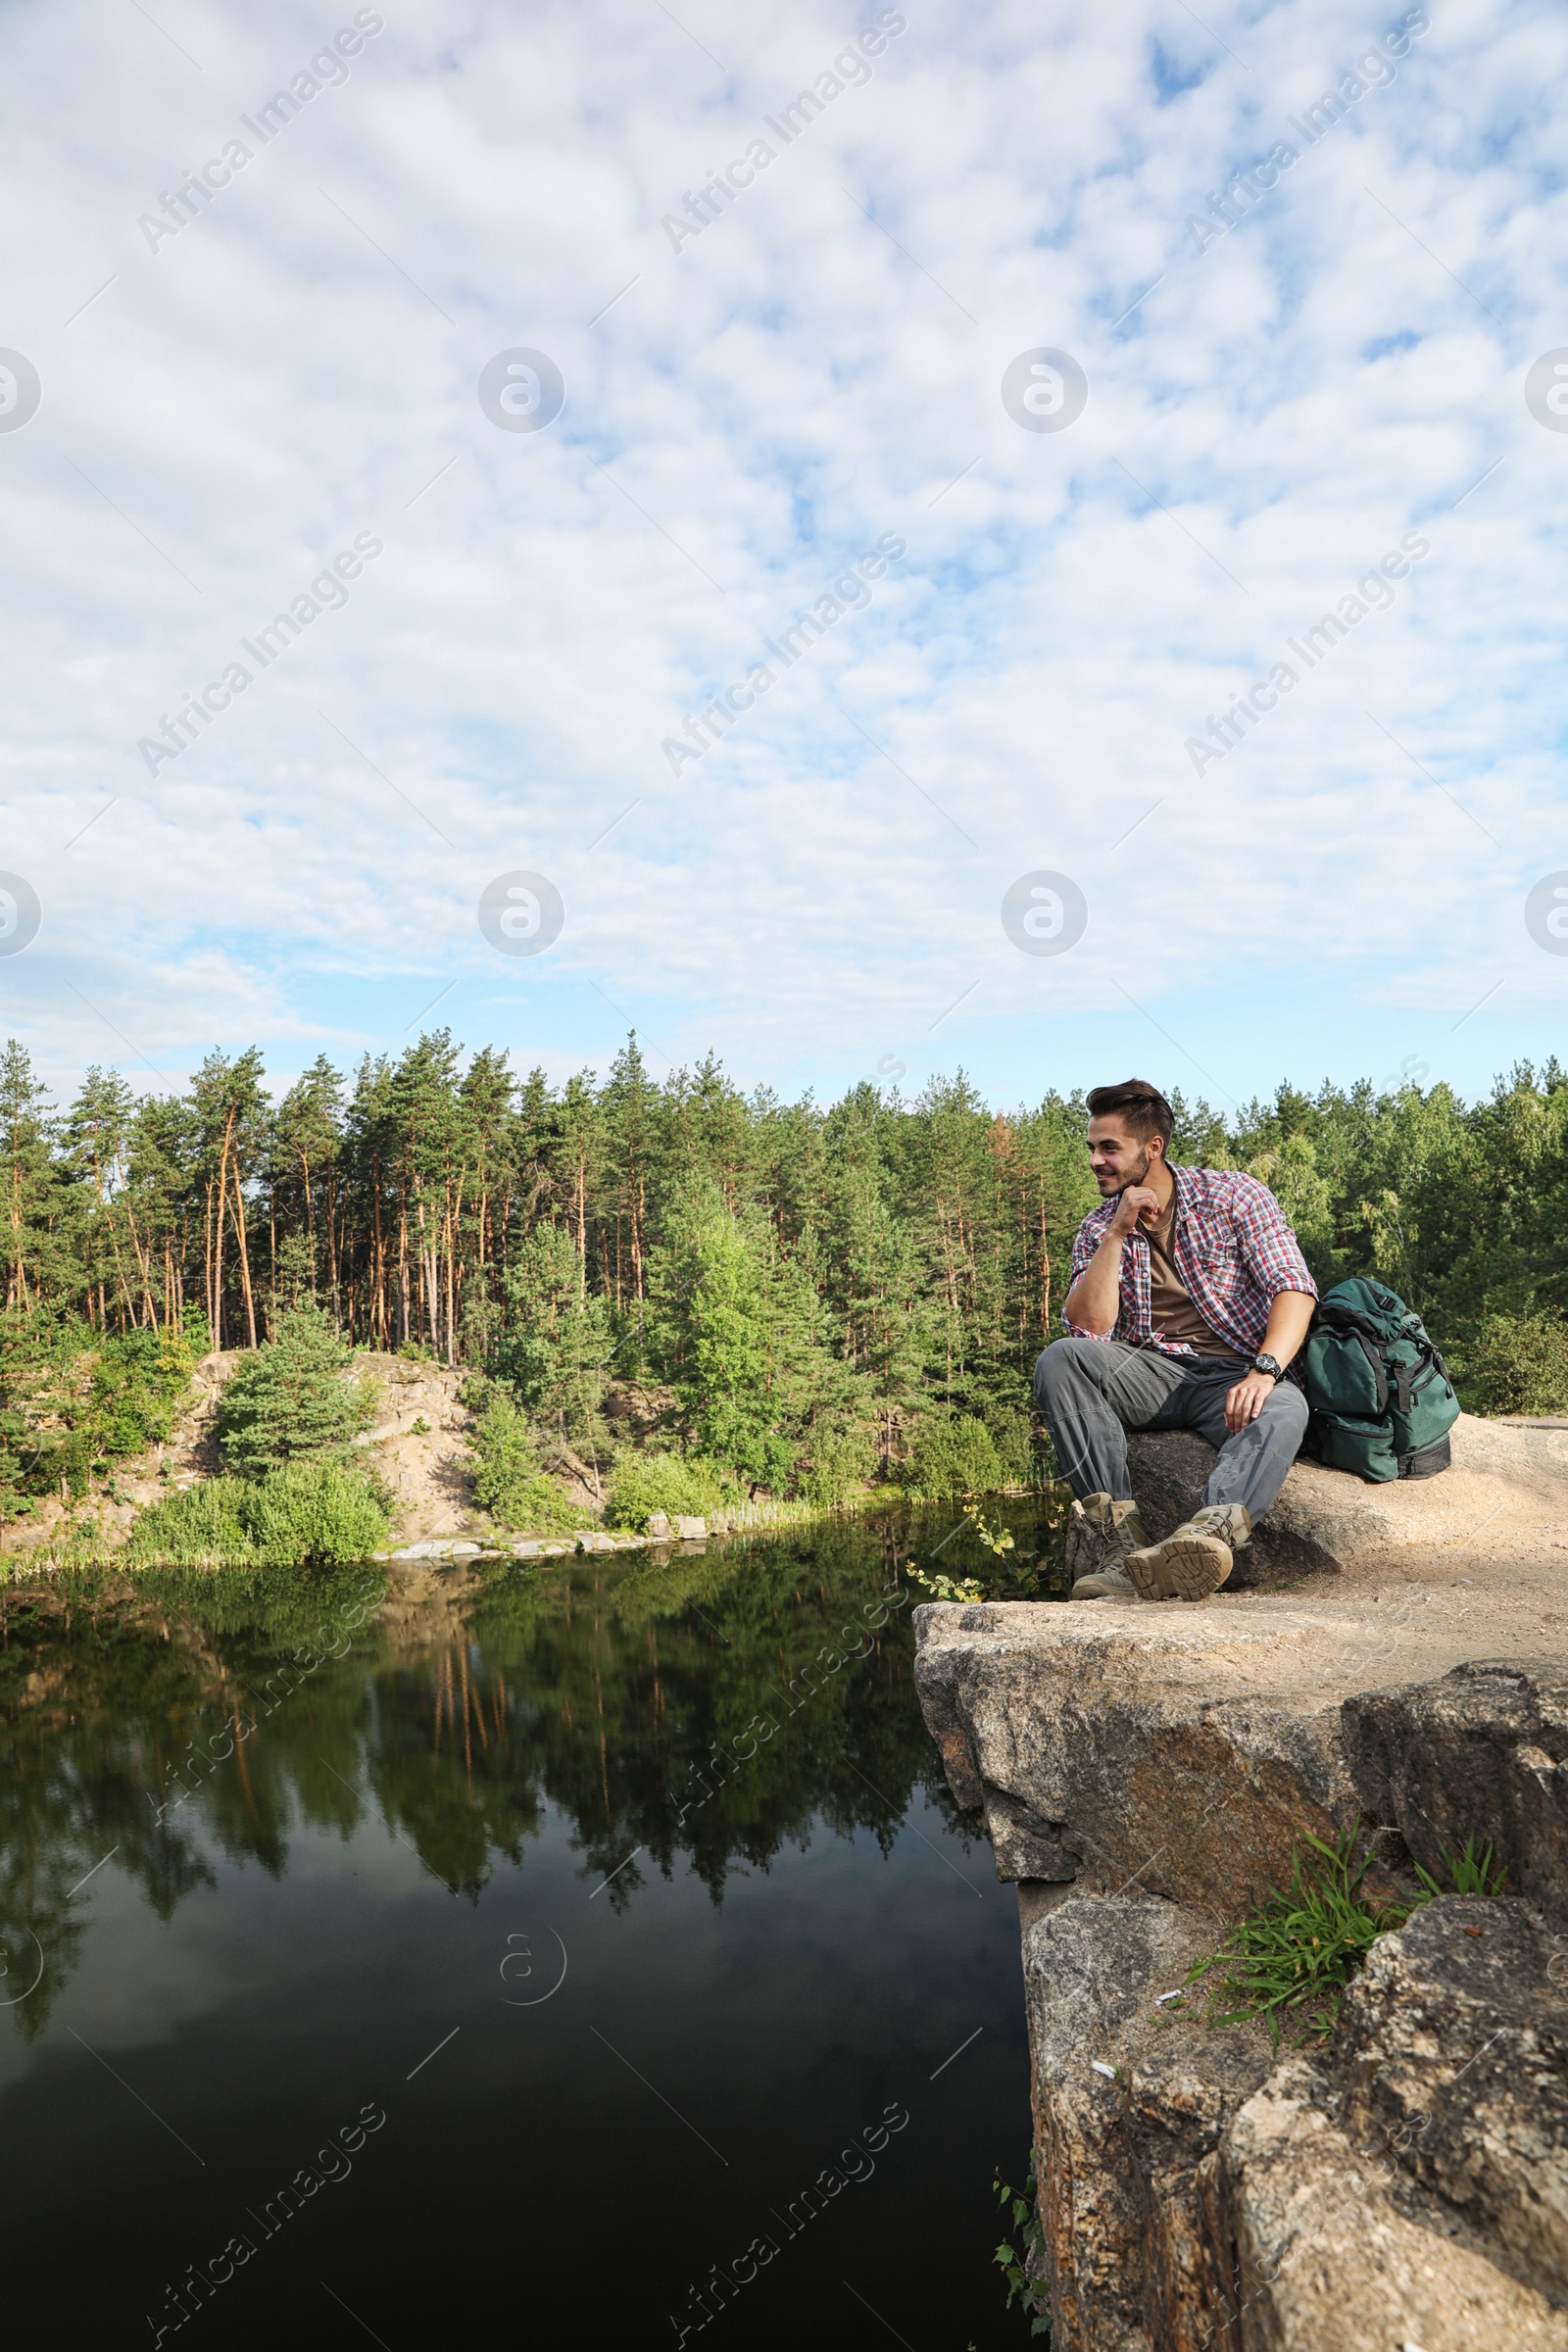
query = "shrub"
{"x": 288, "y": 1401}
{"x": 838, "y": 1465}
{"x": 510, "y": 1483}
{"x": 1516, "y": 1364}
{"x": 201, "y": 1528}
{"x": 313, "y": 1513}
{"x": 683, "y": 1485}
{"x": 302, "y": 1514}
{"x": 954, "y": 1454}
{"x": 1021, "y": 1459}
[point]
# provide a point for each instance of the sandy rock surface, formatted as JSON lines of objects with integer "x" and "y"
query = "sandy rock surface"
{"x": 1505, "y": 1500}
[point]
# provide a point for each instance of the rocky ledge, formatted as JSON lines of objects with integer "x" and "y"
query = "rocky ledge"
{"x": 1144, "y": 1774}
{"x": 1505, "y": 1494}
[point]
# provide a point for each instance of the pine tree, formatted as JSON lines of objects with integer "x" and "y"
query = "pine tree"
{"x": 36, "y": 1196}
{"x": 555, "y": 1342}
{"x": 288, "y": 1401}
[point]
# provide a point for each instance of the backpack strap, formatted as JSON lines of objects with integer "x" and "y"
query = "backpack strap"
{"x": 1378, "y": 1375}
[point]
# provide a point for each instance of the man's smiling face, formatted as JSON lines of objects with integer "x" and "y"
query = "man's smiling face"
{"x": 1117, "y": 1158}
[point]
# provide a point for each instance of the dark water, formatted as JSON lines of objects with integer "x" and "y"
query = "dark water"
{"x": 372, "y": 1953}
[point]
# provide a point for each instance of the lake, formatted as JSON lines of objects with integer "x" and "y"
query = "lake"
{"x": 589, "y": 1955}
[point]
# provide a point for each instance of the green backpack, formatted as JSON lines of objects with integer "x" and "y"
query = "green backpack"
{"x": 1382, "y": 1402}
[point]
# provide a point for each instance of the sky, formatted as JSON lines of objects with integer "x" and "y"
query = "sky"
{"x": 1047, "y": 373}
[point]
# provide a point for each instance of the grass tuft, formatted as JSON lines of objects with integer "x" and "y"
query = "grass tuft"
{"x": 1469, "y": 1872}
{"x": 1291, "y": 1960}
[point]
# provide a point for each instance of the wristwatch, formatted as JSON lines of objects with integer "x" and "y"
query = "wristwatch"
{"x": 1269, "y": 1364}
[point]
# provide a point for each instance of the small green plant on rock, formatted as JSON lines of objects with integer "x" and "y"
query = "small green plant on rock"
{"x": 996, "y": 1540}
{"x": 1022, "y": 2270}
{"x": 1469, "y": 1872}
{"x": 1291, "y": 1959}
{"x": 1012, "y": 1573}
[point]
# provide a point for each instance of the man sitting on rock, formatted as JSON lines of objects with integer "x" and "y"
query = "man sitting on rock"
{"x": 1189, "y": 1298}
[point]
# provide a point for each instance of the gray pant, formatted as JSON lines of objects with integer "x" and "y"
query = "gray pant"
{"x": 1090, "y": 1393}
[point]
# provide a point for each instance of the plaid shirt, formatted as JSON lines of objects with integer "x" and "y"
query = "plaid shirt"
{"x": 1232, "y": 1248}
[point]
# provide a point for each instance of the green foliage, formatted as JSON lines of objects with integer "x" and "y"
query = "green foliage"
{"x": 140, "y": 1380}
{"x": 1022, "y": 2271}
{"x": 1294, "y": 1955}
{"x": 288, "y": 1401}
{"x": 1003, "y": 1568}
{"x": 1468, "y": 1872}
{"x": 1291, "y": 1960}
{"x": 314, "y": 1514}
{"x": 554, "y": 1341}
{"x": 303, "y": 1513}
{"x": 965, "y": 1589}
{"x": 1516, "y": 1364}
{"x": 680, "y": 1485}
{"x": 838, "y": 1464}
{"x": 200, "y": 1528}
{"x": 954, "y": 1454}
{"x": 73, "y": 1399}
{"x": 737, "y": 1327}
{"x": 510, "y": 1483}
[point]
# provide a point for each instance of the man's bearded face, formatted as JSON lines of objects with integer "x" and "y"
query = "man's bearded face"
{"x": 1116, "y": 1157}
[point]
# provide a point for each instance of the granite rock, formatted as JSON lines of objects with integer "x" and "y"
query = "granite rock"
{"x": 1507, "y": 1490}
{"x": 1126, "y": 2154}
{"x": 1324, "y": 2255}
{"x": 1453, "y": 2049}
{"x": 1105, "y": 1731}
{"x": 1482, "y": 1755}
{"x": 1407, "y": 2184}
{"x": 1196, "y": 2194}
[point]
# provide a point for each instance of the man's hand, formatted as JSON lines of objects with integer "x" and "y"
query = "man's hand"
{"x": 1247, "y": 1399}
{"x": 1138, "y": 1206}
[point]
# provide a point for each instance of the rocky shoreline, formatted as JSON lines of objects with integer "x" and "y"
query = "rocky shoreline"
{"x": 660, "y": 1530}
{"x": 1145, "y": 1775}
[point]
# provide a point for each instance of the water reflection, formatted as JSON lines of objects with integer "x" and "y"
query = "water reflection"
{"x": 707, "y": 1707}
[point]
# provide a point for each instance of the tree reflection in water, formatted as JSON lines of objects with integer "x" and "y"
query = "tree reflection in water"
{"x": 707, "y": 1705}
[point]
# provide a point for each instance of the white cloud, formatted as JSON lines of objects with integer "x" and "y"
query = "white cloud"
{"x": 300, "y": 364}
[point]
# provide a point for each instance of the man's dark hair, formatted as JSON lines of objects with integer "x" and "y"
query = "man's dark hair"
{"x": 1142, "y": 1109}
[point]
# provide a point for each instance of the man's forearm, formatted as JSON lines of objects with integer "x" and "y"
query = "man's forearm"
{"x": 1094, "y": 1299}
{"x": 1290, "y": 1318}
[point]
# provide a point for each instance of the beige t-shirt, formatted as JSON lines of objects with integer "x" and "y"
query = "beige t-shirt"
{"x": 1174, "y": 1315}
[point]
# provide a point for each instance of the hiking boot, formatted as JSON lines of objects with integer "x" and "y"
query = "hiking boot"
{"x": 1194, "y": 1561}
{"x": 1100, "y": 1536}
